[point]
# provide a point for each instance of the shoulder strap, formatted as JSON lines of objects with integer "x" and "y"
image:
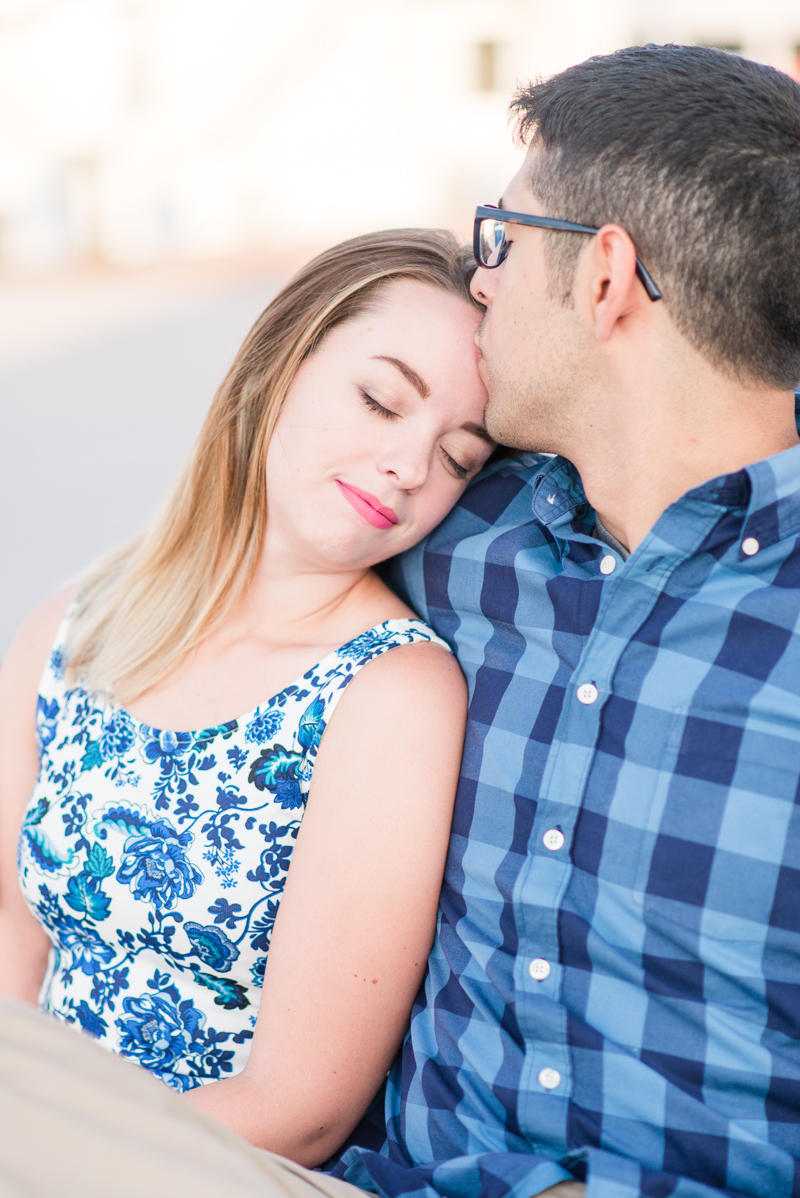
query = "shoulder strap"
{"x": 353, "y": 656}
{"x": 52, "y": 688}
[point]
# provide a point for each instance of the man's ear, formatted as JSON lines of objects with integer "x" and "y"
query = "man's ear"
{"x": 608, "y": 280}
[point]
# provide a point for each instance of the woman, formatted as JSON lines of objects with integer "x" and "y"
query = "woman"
{"x": 152, "y": 862}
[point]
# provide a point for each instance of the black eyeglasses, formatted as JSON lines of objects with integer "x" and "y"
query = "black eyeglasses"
{"x": 490, "y": 246}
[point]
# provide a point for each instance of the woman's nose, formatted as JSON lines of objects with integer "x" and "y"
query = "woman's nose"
{"x": 408, "y": 464}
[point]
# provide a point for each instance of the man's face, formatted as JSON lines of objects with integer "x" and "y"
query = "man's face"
{"x": 534, "y": 348}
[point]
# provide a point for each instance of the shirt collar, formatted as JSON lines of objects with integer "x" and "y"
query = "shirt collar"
{"x": 767, "y": 493}
{"x": 773, "y": 513}
{"x": 558, "y": 494}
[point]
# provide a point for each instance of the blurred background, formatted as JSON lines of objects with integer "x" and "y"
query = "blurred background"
{"x": 166, "y": 164}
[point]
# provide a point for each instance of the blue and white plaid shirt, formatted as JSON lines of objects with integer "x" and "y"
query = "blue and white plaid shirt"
{"x": 614, "y": 989}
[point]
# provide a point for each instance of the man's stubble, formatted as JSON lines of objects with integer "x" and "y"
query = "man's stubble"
{"x": 535, "y": 391}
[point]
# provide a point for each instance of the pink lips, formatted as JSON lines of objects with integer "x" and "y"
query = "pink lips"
{"x": 368, "y": 506}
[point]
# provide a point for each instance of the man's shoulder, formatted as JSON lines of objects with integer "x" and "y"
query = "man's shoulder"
{"x": 501, "y": 494}
{"x": 497, "y": 507}
{"x": 520, "y": 466}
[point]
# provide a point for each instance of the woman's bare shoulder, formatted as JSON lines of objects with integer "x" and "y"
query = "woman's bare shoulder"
{"x": 421, "y": 681}
{"x": 27, "y": 654}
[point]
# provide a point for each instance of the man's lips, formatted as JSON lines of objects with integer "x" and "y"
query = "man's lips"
{"x": 368, "y": 506}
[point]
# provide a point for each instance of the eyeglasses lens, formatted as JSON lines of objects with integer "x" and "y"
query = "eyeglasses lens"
{"x": 492, "y": 242}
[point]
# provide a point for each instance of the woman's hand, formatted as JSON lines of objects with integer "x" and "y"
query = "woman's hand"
{"x": 358, "y": 914}
{"x": 24, "y": 944}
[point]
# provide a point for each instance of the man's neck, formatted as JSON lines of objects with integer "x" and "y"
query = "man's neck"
{"x": 646, "y": 449}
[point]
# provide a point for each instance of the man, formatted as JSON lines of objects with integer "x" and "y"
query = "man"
{"x": 615, "y": 983}
{"x": 613, "y": 997}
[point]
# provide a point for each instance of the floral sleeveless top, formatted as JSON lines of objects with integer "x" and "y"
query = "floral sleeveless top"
{"x": 155, "y": 860}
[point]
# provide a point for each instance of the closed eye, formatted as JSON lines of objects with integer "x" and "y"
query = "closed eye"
{"x": 455, "y": 467}
{"x": 374, "y": 406}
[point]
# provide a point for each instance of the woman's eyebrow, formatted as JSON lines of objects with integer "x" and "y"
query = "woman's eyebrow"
{"x": 410, "y": 375}
{"x": 479, "y": 431}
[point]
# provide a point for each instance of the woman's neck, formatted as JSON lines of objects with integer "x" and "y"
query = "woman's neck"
{"x": 305, "y": 606}
{"x": 287, "y": 622}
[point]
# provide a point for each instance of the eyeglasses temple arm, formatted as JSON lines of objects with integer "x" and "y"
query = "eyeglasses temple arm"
{"x": 648, "y": 282}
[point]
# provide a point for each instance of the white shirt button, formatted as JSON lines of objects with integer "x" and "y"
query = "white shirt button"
{"x": 587, "y": 692}
{"x": 549, "y": 1078}
{"x": 750, "y": 546}
{"x": 553, "y": 839}
{"x": 539, "y": 969}
{"x": 608, "y": 564}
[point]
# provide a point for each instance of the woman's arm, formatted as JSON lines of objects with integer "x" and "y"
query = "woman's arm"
{"x": 358, "y": 913}
{"x": 24, "y": 944}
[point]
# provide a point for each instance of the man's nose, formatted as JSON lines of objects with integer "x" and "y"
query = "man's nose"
{"x": 484, "y": 284}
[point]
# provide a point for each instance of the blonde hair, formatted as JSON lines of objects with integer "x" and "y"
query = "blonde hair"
{"x": 147, "y": 605}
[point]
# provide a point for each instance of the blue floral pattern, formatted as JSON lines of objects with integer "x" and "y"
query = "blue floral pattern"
{"x": 155, "y": 860}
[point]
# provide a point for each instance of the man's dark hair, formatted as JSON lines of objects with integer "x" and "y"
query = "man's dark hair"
{"x": 696, "y": 153}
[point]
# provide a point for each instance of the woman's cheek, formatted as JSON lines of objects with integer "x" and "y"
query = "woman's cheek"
{"x": 442, "y": 500}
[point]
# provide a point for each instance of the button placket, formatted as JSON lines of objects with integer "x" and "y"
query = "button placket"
{"x": 549, "y": 1065}
{"x": 549, "y": 1070}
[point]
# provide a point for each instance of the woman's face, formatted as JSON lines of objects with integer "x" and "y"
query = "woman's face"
{"x": 380, "y": 432}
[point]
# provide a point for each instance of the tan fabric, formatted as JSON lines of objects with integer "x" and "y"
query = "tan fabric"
{"x": 78, "y": 1122}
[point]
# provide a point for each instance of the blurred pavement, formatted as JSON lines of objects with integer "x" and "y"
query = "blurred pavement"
{"x": 104, "y": 382}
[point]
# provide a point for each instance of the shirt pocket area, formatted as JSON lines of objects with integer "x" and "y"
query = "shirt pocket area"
{"x": 721, "y": 859}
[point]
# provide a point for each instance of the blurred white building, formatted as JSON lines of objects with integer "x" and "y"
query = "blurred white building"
{"x": 133, "y": 131}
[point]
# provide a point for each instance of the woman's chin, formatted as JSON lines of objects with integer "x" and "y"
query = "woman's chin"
{"x": 338, "y": 546}
{"x": 342, "y": 553}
